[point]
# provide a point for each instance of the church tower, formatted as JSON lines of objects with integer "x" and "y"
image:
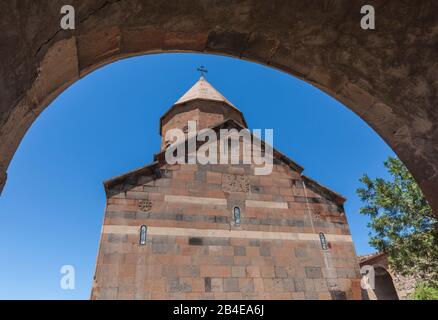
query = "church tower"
{"x": 203, "y": 104}
{"x": 219, "y": 231}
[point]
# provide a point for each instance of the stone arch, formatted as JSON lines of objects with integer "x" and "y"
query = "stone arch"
{"x": 384, "y": 288}
{"x": 387, "y": 76}
{"x": 386, "y": 279}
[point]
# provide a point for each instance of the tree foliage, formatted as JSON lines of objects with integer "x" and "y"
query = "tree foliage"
{"x": 402, "y": 222}
{"x": 425, "y": 292}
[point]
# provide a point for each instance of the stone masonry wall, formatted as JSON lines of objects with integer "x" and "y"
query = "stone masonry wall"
{"x": 206, "y": 114}
{"x": 193, "y": 249}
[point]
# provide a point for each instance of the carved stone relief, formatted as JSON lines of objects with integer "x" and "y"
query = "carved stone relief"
{"x": 235, "y": 183}
{"x": 145, "y": 205}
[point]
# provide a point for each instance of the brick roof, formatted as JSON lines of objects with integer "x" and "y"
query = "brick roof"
{"x": 369, "y": 257}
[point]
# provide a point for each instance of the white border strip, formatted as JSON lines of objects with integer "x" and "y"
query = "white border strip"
{"x": 266, "y": 204}
{"x": 220, "y": 233}
{"x": 223, "y": 202}
{"x": 196, "y": 200}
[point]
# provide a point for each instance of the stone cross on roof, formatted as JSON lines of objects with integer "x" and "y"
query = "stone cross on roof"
{"x": 203, "y": 70}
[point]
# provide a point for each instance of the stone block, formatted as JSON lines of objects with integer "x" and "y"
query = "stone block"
{"x": 265, "y": 251}
{"x": 189, "y": 271}
{"x": 231, "y": 285}
{"x": 254, "y": 242}
{"x": 215, "y": 271}
{"x": 238, "y": 272}
{"x": 338, "y": 295}
{"x": 214, "y": 177}
{"x": 239, "y": 251}
{"x": 176, "y": 285}
{"x": 313, "y": 272}
{"x": 311, "y": 295}
{"x": 267, "y": 271}
{"x": 253, "y": 271}
{"x": 288, "y": 285}
{"x": 280, "y": 272}
{"x": 278, "y": 285}
{"x": 223, "y": 260}
{"x": 300, "y": 252}
{"x": 217, "y": 285}
{"x": 161, "y": 248}
{"x": 298, "y": 295}
{"x": 246, "y": 285}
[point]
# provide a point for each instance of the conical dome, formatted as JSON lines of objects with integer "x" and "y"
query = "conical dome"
{"x": 203, "y": 90}
{"x": 203, "y": 104}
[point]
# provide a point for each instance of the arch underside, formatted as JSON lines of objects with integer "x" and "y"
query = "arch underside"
{"x": 383, "y": 286}
{"x": 387, "y": 76}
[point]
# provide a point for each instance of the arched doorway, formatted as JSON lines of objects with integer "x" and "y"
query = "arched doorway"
{"x": 381, "y": 285}
{"x": 384, "y": 286}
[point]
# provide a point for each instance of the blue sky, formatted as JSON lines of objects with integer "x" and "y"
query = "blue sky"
{"x": 107, "y": 123}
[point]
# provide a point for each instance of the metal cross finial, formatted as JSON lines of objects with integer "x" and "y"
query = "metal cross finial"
{"x": 203, "y": 70}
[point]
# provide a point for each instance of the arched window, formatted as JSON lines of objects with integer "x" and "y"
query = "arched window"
{"x": 324, "y": 244}
{"x": 236, "y": 215}
{"x": 143, "y": 233}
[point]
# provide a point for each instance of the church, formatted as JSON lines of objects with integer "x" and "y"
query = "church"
{"x": 220, "y": 231}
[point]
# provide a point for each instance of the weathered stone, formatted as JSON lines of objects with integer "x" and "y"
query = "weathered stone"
{"x": 231, "y": 285}
{"x": 175, "y": 285}
{"x": 299, "y": 284}
{"x": 338, "y": 295}
{"x": 265, "y": 251}
{"x": 280, "y": 272}
{"x": 313, "y": 272}
{"x": 239, "y": 251}
{"x": 300, "y": 252}
{"x": 207, "y": 284}
{"x": 194, "y": 250}
{"x": 235, "y": 183}
{"x": 371, "y": 72}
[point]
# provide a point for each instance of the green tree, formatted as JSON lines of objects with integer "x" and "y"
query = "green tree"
{"x": 424, "y": 292}
{"x": 402, "y": 223}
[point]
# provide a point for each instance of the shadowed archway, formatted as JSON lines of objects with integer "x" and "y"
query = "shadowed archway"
{"x": 384, "y": 286}
{"x": 387, "y": 76}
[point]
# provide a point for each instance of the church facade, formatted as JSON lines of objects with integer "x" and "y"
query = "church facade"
{"x": 204, "y": 231}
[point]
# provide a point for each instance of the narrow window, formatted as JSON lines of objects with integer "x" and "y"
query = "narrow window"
{"x": 236, "y": 214}
{"x": 323, "y": 240}
{"x": 143, "y": 232}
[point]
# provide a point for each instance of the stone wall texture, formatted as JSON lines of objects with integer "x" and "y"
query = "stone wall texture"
{"x": 206, "y": 114}
{"x": 194, "y": 250}
{"x": 387, "y": 76}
